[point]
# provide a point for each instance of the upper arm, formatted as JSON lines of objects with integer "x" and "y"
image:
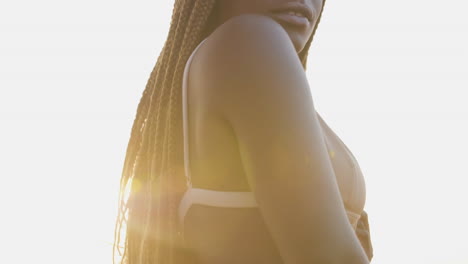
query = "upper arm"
{"x": 251, "y": 74}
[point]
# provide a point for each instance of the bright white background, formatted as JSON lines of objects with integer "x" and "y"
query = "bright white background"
{"x": 390, "y": 77}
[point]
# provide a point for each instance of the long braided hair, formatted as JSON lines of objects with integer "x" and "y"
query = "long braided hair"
{"x": 152, "y": 181}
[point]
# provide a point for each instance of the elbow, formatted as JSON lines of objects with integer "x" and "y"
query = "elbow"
{"x": 357, "y": 259}
{"x": 356, "y": 256}
{"x": 338, "y": 257}
{"x": 351, "y": 255}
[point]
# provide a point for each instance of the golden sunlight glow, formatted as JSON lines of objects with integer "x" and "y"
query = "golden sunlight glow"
{"x": 390, "y": 77}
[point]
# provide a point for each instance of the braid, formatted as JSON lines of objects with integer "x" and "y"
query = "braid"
{"x": 152, "y": 176}
{"x": 155, "y": 162}
{"x": 151, "y": 143}
{"x": 191, "y": 39}
{"x": 305, "y": 51}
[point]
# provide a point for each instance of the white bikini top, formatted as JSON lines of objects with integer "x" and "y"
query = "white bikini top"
{"x": 247, "y": 199}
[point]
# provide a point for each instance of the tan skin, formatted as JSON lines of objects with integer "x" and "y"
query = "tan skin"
{"x": 253, "y": 127}
{"x": 226, "y": 9}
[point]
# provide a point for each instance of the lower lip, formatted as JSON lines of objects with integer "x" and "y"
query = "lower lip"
{"x": 292, "y": 19}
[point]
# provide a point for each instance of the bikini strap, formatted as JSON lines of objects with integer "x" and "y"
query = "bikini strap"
{"x": 185, "y": 116}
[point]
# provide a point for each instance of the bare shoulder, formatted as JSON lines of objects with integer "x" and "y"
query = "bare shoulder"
{"x": 243, "y": 33}
{"x": 249, "y": 74}
{"x": 246, "y": 51}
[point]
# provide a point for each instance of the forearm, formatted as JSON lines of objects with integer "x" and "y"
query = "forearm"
{"x": 309, "y": 236}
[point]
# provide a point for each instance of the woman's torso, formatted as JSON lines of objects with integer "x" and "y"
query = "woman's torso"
{"x": 220, "y": 234}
